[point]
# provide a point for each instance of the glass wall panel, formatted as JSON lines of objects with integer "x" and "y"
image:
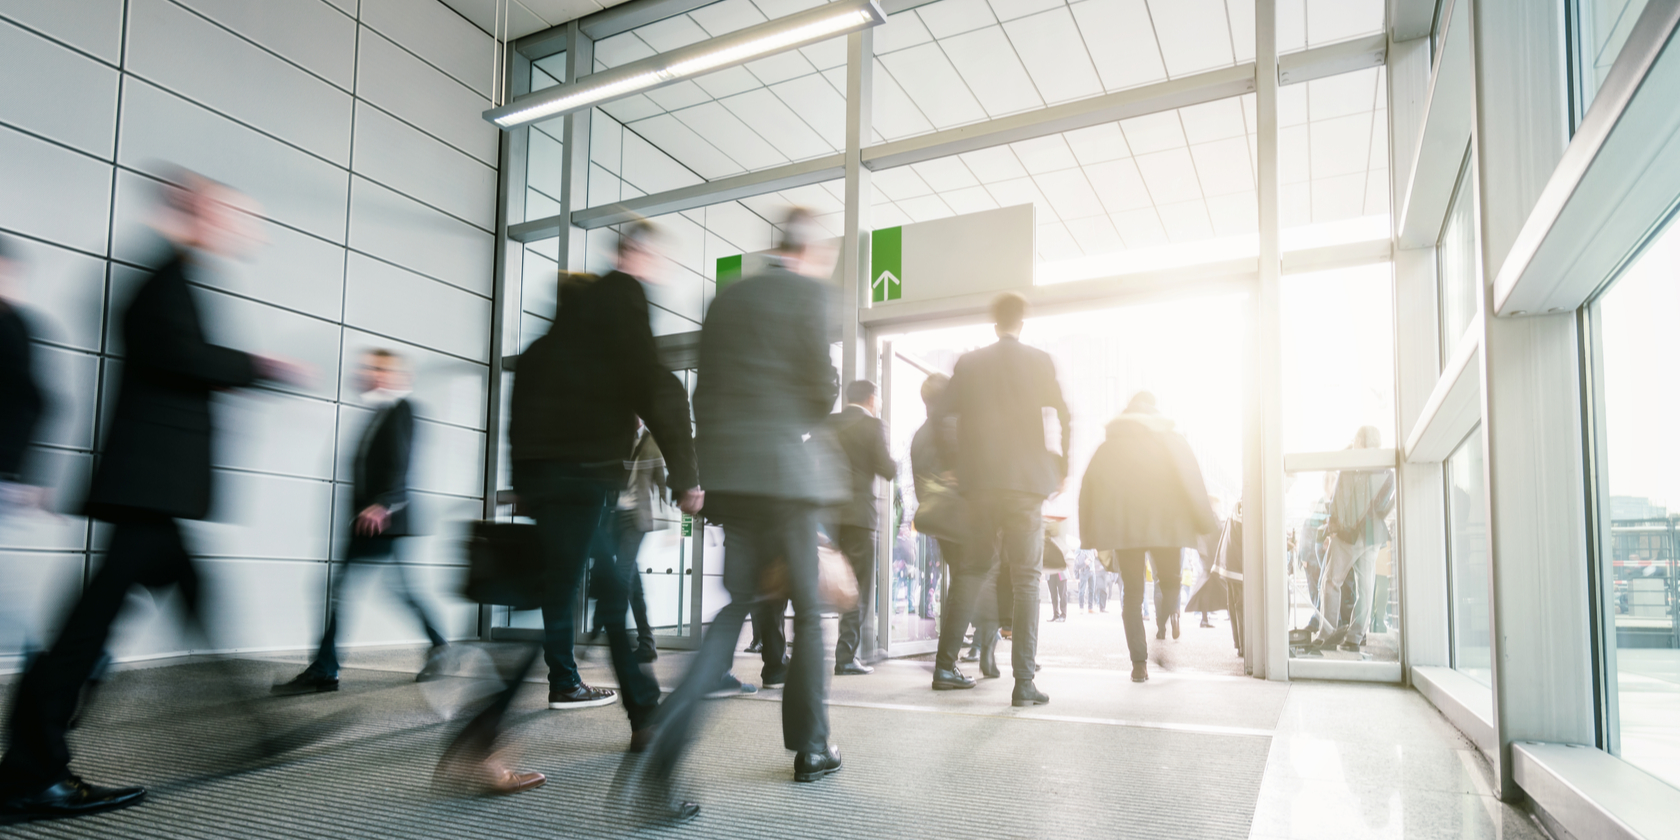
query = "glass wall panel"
{"x": 1467, "y": 561}
{"x": 1601, "y": 29}
{"x": 1333, "y": 159}
{"x": 1344, "y": 565}
{"x": 1639, "y": 507}
{"x": 1338, "y": 357}
{"x": 1304, "y": 24}
{"x": 1458, "y": 266}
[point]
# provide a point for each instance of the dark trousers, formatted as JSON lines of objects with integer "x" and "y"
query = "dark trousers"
{"x": 1011, "y": 523}
{"x": 858, "y": 544}
{"x": 757, "y": 531}
{"x": 962, "y": 600}
{"x": 573, "y": 506}
{"x": 1131, "y": 562}
{"x": 1058, "y": 596}
{"x": 145, "y": 551}
{"x": 1234, "y": 606}
{"x": 629, "y": 541}
{"x": 769, "y": 622}
{"x": 363, "y": 553}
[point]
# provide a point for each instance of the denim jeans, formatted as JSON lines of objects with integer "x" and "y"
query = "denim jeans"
{"x": 1012, "y": 524}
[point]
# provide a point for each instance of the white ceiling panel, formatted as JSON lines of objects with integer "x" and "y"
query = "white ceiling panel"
{"x": 1153, "y": 132}
{"x": 993, "y": 165}
{"x": 740, "y": 227}
{"x": 954, "y": 17}
{"x": 946, "y": 175}
{"x": 1124, "y": 46}
{"x": 1011, "y": 9}
{"x": 727, "y": 16}
{"x": 1335, "y": 199}
{"x": 1055, "y": 243}
{"x": 520, "y": 21}
{"x": 680, "y": 95}
{"x": 925, "y": 208}
{"x": 671, "y": 33}
{"x": 1295, "y": 204}
{"x": 780, "y": 67}
{"x": 1237, "y": 214}
{"x": 900, "y": 31}
{"x": 1341, "y": 146}
{"x": 834, "y": 223}
{"x": 899, "y": 184}
{"x": 621, "y": 49}
{"x": 728, "y": 82}
{"x": 1186, "y": 221}
{"x": 1338, "y": 96}
{"x": 970, "y": 200}
{"x": 1241, "y": 16}
{"x": 933, "y": 84}
{"x": 1209, "y": 121}
{"x": 988, "y": 63}
{"x": 1292, "y": 105}
{"x": 1251, "y": 117}
{"x": 1291, "y": 25}
{"x": 888, "y": 215}
{"x": 1140, "y": 228}
{"x": 1022, "y": 191}
{"x": 1376, "y": 193}
{"x": 1379, "y": 139}
{"x": 1095, "y": 235}
{"x": 1050, "y": 45}
{"x": 557, "y": 12}
{"x": 1069, "y": 194}
{"x": 632, "y": 108}
{"x": 649, "y": 169}
{"x": 676, "y": 139}
{"x": 1222, "y": 166}
{"x": 1329, "y": 21}
{"x": 1170, "y": 176}
{"x": 776, "y": 123}
{"x": 1098, "y": 143}
{"x": 728, "y": 133}
{"x": 782, "y": 8}
{"x": 1119, "y": 185}
{"x": 826, "y": 54}
{"x": 1294, "y": 154}
{"x": 813, "y": 198}
{"x": 894, "y": 114}
{"x": 606, "y": 142}
{"x": 1193, "y": 34}
{"x": 1045, "y": 154}
{"x": 817, "y": 103}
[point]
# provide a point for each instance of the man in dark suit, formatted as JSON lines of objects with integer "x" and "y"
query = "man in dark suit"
{"x": 766, "y": 383}
{"x": 154, "y": 471}
{"x": 864, "y": 439}
{"x": 379, "y": 500}
{"x": 21, "y": 400}
{"x": 1005, "y": 469}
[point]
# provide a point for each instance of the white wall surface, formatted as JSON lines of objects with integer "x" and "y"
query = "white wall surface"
{"x": 355, "y": 124}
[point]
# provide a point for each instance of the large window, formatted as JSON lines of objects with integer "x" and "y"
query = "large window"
{"x": 1467, "y": 561}
{"x": 1457, "y": 265}
{"x": 1338, "y": 357}
{"x": 1638, "y": 460}
{"x": 1601, "y": 29}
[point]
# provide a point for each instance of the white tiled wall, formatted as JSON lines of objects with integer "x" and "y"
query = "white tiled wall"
{"x": 355, "y": 124}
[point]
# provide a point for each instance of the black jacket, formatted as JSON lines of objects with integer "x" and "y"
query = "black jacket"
{"x": 765, "y": 382}
{"x": 21, "y": 403}
{"x": 580, "y": 388}
{"x": 380, "y": 471}
{"x": 157, "y": 455}
{"x": 998, "y": 394}
{"x": 1144, "y": 489}
{"x": 864, "y": 439}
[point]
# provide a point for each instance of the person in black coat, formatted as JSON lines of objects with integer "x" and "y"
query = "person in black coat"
{"x": 380, "y": 505}
{"x": 154, "y": 471}
{"x": 863, "y": 438}
{"x": 1005, "y": 470}
{"x": 21, "y": 400}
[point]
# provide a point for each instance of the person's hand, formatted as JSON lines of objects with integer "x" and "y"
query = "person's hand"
{"x": 692, "y": 500}
{"x": 373, "y": 520}
{"x": 279, "y": 369}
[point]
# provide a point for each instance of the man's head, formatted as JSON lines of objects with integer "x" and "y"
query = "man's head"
{"x": 196, "y": 212}
{"x": 861, "y": 392}
{"x": 1142, "y": 401}
{"x": 640, "y": 251}
{"x": 384, "y": 370}
{"x": 1009, "y": 314}
{"x": 804, "y": 246}
{"x": 933, "y": 391}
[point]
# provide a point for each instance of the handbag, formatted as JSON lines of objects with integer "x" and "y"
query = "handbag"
{"x": 836, "y": 583}
{"x": 941, "y": 512}
{"x": 505, "y": 565}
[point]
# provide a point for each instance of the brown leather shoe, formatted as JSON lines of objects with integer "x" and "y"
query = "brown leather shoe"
{"x": 501, "y": 780}
{"x": 487, "y": 776}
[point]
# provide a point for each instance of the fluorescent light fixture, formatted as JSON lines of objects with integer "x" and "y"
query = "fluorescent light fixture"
{"x": 797, "y": 30}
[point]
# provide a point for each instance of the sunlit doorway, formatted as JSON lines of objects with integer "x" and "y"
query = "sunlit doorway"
{"x": 1188, "y": 352}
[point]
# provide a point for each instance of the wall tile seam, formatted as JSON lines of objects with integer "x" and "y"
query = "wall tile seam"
{"x": 423, "y": 60}
{"x": 333, "y": 558}
{"x": 340, "y": 482}
{"x": 424, "y": 203}
{"x": 53, "y": 244}
{"x": 469, "y": 155}
{"x": 60, "y": 42}
{"x": 36, "y": 135}
{"x": 258, "y": 44}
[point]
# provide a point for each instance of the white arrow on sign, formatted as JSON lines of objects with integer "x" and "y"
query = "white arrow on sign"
{"x": 887, "y": 275}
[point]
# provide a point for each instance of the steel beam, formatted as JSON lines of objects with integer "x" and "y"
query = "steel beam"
{"x": 1333, "y": 60}
{"x": 732, "y": 188}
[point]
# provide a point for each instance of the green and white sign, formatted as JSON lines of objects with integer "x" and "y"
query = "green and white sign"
{"x": 886, "y": 264}
{"x": 728, "y": 271}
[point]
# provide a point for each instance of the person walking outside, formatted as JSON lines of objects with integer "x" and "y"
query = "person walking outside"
{"x": 1359, "y": 507}
{"x": 1144, "y": 499}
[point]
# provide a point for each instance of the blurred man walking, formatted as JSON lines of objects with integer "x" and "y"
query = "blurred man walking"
{"x": 864, "y": 440}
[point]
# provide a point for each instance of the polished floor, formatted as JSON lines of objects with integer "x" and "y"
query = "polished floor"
{"x": 1189, "y": 754}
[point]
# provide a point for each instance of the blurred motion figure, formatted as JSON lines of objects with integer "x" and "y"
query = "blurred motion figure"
{"x": 864, "y": 439}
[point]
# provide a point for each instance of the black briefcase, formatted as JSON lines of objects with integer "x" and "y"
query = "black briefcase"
{"x": 505, "y": 565}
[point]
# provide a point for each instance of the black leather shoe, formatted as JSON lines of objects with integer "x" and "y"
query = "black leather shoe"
{"x": 755, "y": 647}
{"x": 951, "y": 680}
{"x": 774, "y": 679}
{"x": 1027, "y": 694}
{"x": 307, "y": 682}
{"x": 972, "y": 655}
{"x": 810, "y": 766}
{"x": 853, "y": 668}
{"x": 1140, "y": 672}
{"x": 69, "y": 798}
{"x": 436, "y": 659}
{"x": 647, "y": 653}
{"x": 989, "y": 669}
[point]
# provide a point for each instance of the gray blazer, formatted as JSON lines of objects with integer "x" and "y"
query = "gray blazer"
{"x": 765, "y": 382}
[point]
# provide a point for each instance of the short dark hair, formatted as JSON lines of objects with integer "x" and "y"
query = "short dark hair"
{"x": 639, "y": 234}
{"x": 933, "y": 389}
{"x": 798, "y": 230}
{"x": 1009, "y": 310}
{"x": 859, "y": 390}
{"x": 386, "y": 354}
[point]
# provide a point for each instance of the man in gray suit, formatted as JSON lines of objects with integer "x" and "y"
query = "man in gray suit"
{"x": 765, "y": 384}
{"x": 1005, "y": 469}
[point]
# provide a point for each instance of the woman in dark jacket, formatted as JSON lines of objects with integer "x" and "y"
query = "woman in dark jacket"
{"x": 1143, "y": 500}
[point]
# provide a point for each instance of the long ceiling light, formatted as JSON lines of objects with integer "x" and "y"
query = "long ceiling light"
{"x": 775, "y": 36}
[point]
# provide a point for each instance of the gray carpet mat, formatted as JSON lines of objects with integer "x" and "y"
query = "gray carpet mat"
{"x": 360, "y": 765}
